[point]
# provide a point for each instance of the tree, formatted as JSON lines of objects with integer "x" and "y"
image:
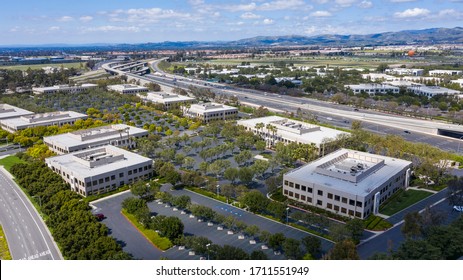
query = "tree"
{"x": 189, "y": 162}
{"x": 343, "y": 250}
{"x": 171, "y": 227}
{"x": 133, "y": 204}
{"x": 417, "y": 250}
{"x": 144, "y": 190}
{"x": 276, "y": 240}
{"x": 246, "y": 174}
{"x": 264, "y": 236}
{"x": 259, "y": 167}
{"x": 182, "y": 201}
{"x": 273, "y": 183}
{"x": 455, "y": 191}
{"x": 312, "y": 245}
{"x": 411, "y": 227}
{"x": 228, "y": 252}
{"x": 292, "y": 248}
{"x": 254, "y": 200}
{"x": 277, "y": 209}
{"x": 258, "y": 255}
{"x": 252, "y": 230}
{"x": 355, "y": 228}
{"x": 231, "y": 174}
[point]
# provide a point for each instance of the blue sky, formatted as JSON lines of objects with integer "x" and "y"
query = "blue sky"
{"x": 138, "y": 21}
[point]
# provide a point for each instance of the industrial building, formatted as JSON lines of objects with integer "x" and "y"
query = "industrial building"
{"x": 120, "y": 135}
{"x": 7, "y": 112}
{"x": 208, "y": 112}
{"x": 347, "y": 182}
{"x": 100, "y": 170}
{"x": 46, "y": 119}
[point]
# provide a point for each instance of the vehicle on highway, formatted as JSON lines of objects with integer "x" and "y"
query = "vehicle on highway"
{"x": 407, "y": 132}
{"x": 355, "y": 109}
{"x": 99, "y": 217}
{"x": 458, "y": 208}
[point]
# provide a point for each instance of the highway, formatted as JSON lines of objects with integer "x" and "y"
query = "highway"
{"x": 27, "y": 235}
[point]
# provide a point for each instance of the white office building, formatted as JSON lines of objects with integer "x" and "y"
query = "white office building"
{"x": 46, "y": 119}
{"x": 373, "y": 89}
{"x": 120, "y": 135}
{"x": 379, "y": 77}
{"x": 63, "y": 88}
{"x": 7, "y": 112}
{"x": 459, "y": 81}
{"x": 274, "y": 129}
{"x": 405, "y": 71}
{"x": 128, "y": 89}
{"x": 168, "y": 100}
{"x": 100, "y": 169}
{"x": 430, "y": 91}
{"x": 347, "y": 182}
{"x": 208, "y": 112}
{"x": 445, "y": 72}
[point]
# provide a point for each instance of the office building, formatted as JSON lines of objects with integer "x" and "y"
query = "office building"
{"x": 120, "y": 135}
{"x": 46, "y": 119}
{"x": 168, "y": 100}
{"x": 128, "y": 89}
{"x": 63, "y": 88}
{"x": 373, "y": 89}
{"x": 430, "y": 91}
{"x": 8, "y": 112}
{"x": 347, "y": 182}
{"x": 100, "y": 170}
{"x": 208, "y": 112}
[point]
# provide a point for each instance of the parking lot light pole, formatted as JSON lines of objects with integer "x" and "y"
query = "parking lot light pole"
{"x": 207, "y": 246}
{"x": 218, "y": 188}
{"x": 287, "y": 214}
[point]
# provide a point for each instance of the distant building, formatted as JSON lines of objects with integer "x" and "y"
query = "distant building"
{"x": 459, "y": 81}
{"x": 445, "y": 72}
{"x": 120, "y": 135}
{"x": 208, "y": 112}
{"x": 378, "y": 77}
{"x": 100, "y": 170}
{"x": 430, "y": 91}
{"x": 7, "y": 112}
{"x": 405, "y": 71}
{"x": 167, "y": 99}
{"x": 128, "y": 89}
{"x": 373, "y": 89}
{"x": 287, "y": 131}
{"x": 63, "y": 88}
{"x": 46, "y": 119}
{"x": 347, "y": 182}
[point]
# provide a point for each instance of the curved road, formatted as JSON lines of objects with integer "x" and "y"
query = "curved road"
{"x": 27, "y": 235}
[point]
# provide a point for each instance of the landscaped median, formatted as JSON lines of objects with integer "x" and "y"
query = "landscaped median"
{"x": 161, "y": 243}
{"x": 9, "y": 161}
{"x": 376, "y": 223}
{"x": 401, "y": 200}
{"x": 4, "y": 251}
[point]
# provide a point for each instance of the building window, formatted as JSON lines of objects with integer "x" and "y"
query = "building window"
{"x": 113, "y": 177}
{"x": 130, "y": 172}
{"x": 100, "y": 181}
{"x": 291, "y": 184}
{"x": 303, "y": 197}
{"x": 106, "y": 179}
{"x": 298, "y": 186}
{"x": 320, "y": 193}
{"x": 291, "y": 194}
{"x": 359, "y": 204}
{"x": 309, "y": 190}
{"x": 336, "y": 208}
{"x": 304, "y": 188}
{"x": 352, "y": 202}
{"x": 329, "y": 205}
{"x": 309, "y": 199}
{"x": 121, "y": 174}
{"x": 337, "y": 198}
{"x": 343, "y": 210}
{"x": 344, "y": 200}
{"x": 296, "y": 195}
{"x": 330, "y": 195}
{"x": 286, "y": 182}
{"x": 351, "y": 212}
{"x": 319, "y": 202}
{"x": 285, "y": 192}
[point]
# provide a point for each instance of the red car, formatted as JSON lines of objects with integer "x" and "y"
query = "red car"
{"x": 99, "y": 217}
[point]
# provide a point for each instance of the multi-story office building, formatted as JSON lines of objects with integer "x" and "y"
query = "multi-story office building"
{"x": 63, "y": 88}
{"x": 208, "y": 112}
{"x": 8, "y": 112}
{"x": 430, "y": 91}
{"x": 347, "y": 182}
{"x": 405, "y": 71}
{"x": 168, "y": 100}
{"x": 46, "y": 119}
{"x": 373, "y": 89}
{"x": 445, "y": 72}
{"x": 274, "y": 129}
{"x": 100, "y": 169}
{"x": 120, "y": 135}
{"x": 128, "y": 89}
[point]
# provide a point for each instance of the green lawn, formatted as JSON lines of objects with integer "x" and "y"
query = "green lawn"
{"x": 402, "y": 200}
{"x": 40, "y": 66}
{"x": 4, "y": 251}
{"x": 9, "y": 161}
{"x": 161, "y": 243}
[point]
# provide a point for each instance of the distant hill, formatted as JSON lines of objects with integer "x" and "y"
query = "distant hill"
{"x": 406, "y": 37}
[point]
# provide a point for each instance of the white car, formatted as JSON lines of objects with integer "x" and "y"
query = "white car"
{"x": 458, "y": 208}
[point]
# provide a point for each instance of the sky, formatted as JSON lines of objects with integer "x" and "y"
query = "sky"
{"x": 35, "y": 22}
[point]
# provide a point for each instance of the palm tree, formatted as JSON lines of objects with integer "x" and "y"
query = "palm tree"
{"x": 259, "y": 126}
{"x": 273, "y": 130}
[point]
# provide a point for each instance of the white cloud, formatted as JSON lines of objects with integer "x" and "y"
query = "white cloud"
{"x": 412, "y": 13}
{"x": 241, "y": 7}
{"x": 365, "y": 4}
{"x": 147, "y": 15}
{"x": 268, "y": 21}
{"x": 86, "y": 18}
{"x": 345, "y": 3}
{"x": 449, "y": 13}
{"x": 15, "y": 29}
{"x": 321, "y": 14}
{"x": 402, "y": 1}
{"x": 249, "y": 15}
{"x": 112, "y": 28}
{"x": 54, "y": 28}
{"x": 65, "y": 19}
{"x": 282, "y": 5}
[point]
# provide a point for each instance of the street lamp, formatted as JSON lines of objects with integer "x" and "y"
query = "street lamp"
{"x": 458, "y": 150}
{"x": 218, "y": 188}
{"x": 287, "y": 214}
{"x": 207, "y": 246}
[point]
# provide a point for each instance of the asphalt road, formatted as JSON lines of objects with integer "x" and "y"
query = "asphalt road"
{"x": 27, "y": 235}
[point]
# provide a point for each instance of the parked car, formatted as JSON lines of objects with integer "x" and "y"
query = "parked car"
{"x": 99, "y": 217}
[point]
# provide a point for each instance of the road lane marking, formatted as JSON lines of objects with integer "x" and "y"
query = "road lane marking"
{"x": 36, "y": 256}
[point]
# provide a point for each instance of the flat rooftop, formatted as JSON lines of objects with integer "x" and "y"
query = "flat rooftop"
{"x": 44, "y": 118}
{"x": 65, "y": 87}
{"x": 126, "y": 87}
{"x": 163, "y": 97}
{"x": 97, "y": 161}
{"x": 210, "y": 107}
{"x": 295, "y": 130}
{"x": 350, "y": 171}
{"x": 7, "y": 111}
{"x": 91, "y": 135}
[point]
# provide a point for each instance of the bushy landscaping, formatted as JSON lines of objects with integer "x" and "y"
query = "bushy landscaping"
{"x": 4, "y": 251}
